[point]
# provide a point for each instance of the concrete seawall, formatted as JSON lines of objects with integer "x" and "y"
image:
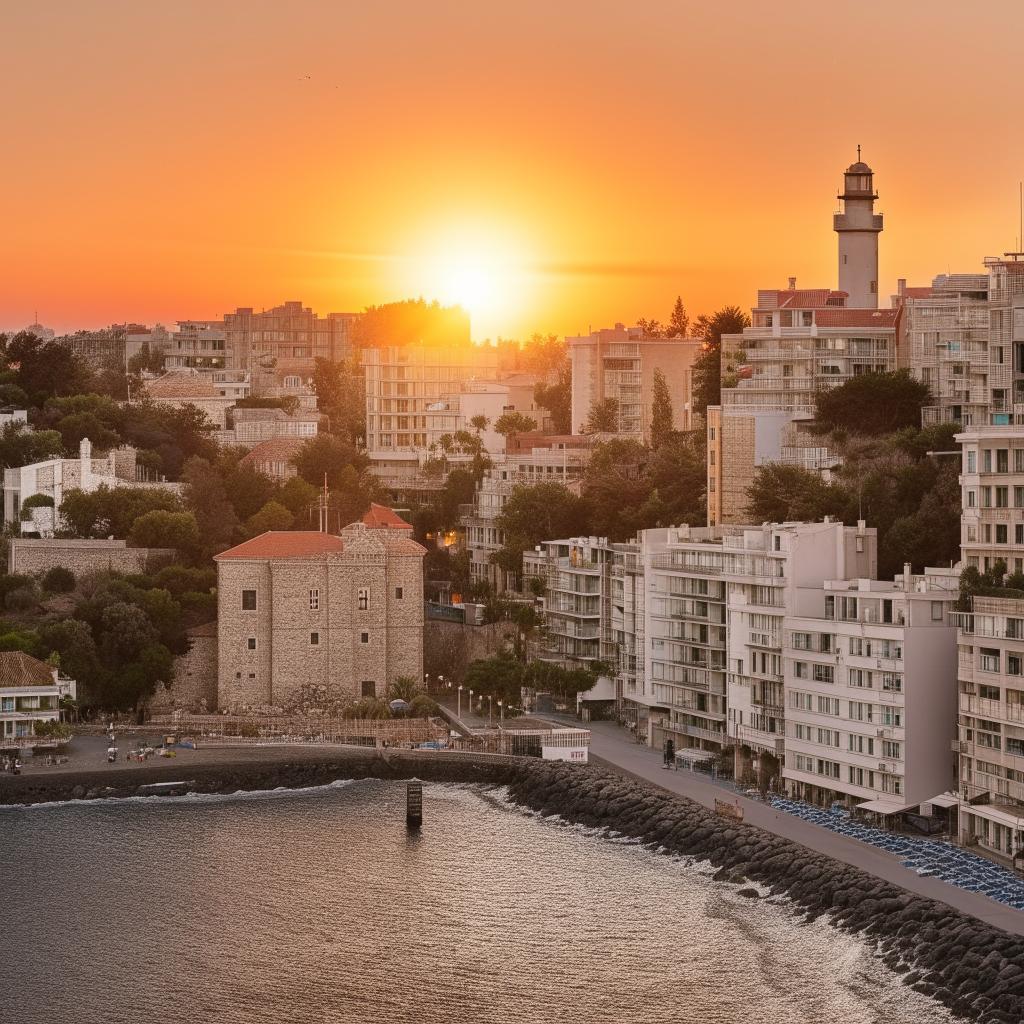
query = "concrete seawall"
{"x": 975, "y": 969}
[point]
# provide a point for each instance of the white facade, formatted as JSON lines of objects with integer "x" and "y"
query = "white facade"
{"x": 24, "y": 704}
{"x": 870, "y": 693}
{"x": 771, "y": 572}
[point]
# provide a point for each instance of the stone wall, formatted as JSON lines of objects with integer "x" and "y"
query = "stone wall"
{"x": 84, "y": 557}
{"x": 194, "y": 687}
{"x": 448, "y": 647}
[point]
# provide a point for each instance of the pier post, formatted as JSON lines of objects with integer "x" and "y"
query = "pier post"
{"x": 414, "y": 804}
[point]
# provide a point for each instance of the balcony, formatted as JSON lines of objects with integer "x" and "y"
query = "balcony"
{"x": 994, "y": 710}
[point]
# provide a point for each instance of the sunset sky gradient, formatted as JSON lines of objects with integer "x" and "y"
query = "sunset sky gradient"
{"x": 173, "y": 161}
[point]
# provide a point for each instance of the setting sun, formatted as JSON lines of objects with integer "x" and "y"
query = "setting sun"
{"x": 482, "y": 268}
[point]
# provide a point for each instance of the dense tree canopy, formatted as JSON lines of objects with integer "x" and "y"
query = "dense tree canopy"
{"x": 661, "y": 410}
{"x": 707, "y": 368}
{"x": 872, "y": 403}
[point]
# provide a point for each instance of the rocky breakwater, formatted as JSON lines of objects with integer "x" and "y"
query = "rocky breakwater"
{"x": 974, "y": 969}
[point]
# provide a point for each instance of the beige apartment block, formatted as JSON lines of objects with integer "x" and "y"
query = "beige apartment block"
{"x": 306, "y": 612}
{"x": 619, "y": 363}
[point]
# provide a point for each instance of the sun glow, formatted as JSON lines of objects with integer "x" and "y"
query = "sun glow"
{"x": 482, "y": 269}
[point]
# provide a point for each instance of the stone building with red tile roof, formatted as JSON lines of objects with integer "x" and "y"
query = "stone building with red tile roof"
{"x": 303, "y": 613}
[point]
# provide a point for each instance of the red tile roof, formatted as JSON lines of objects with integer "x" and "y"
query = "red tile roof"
{"x": 181, "y": 385}
{"x": 804, "y": 298}
{"x": 382, "y": 517}
{"x": 20, "y": 669}
{"x": 885, "y": 318}
{"x": 285, "y": 544}
{"x": 924, "y": 292}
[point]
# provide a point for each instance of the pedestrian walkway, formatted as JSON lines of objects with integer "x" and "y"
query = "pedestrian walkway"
{"x": 616, "y": 749}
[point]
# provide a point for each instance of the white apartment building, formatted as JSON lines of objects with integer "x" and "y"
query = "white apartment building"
{"x": 563, "y": 462}
{"x": 945, "y": 333}
{"x": 30, "y": 693}
{"x": 870, "y": 693}
{"x": 619, "y": 363}
{"x": 197, "y": 345}
{"x": 684, "y": 679}
{"x": 413, "y": 398}
{"x": 52, "y": 478}
{"x": 991, "y": 645}
{"x": 771, "y": 572}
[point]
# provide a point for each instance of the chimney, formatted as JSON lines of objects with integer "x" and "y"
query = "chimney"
{"x": 792, "y": 284}
{"x": 901, "y": 286}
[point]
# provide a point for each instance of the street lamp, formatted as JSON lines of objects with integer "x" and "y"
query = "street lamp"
{"x": 459, "y": 713}
{"x": 501, "y": 712}
{"x": 426, "y": 681}
{"x": 471, "y": 702}
{"x": 490, "y": 708}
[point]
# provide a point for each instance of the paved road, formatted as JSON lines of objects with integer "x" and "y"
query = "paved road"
{"x": 614, "y": 748}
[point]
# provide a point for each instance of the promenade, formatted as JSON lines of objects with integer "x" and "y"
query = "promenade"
{"x": 614, "y": 748}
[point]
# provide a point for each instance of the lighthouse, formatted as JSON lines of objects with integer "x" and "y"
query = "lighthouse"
{"x": 858, "y": 227}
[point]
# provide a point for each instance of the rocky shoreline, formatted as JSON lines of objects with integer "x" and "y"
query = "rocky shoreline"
{"x": 973, "y": 968}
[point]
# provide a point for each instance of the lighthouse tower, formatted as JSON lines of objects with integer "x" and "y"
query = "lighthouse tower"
{"x": 858, "y": 227}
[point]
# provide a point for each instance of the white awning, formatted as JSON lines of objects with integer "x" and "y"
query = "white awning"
{"x": 995, "y": 814}
{"x": 943, "y": 800}
{"x": 883, "y": 807}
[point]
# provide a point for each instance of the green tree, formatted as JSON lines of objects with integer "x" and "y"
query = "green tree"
{"x": 339, "y": 390}
{"x": 112, "y": 511}
{"x": 650, "y": 328}
{"x": 661, "y": 410}
{"x": 479, "y": 423}
{"x": 557, "y": 399}
{"x": 679, "y": 321}
{"x": 43, "y": 369}
{"x": 781, "y": 493}
{"x": 20, "y": 446}
{"x": 873, "y": 403}
{"x": 329, "y": 456}
{"x": 297, "y": 496}
{"x": 509, "y": 424}
{"x": 544, "y": 511}
{"x": 207, "y": 498}
{"x": 163, "y": 529}
{"x": 58, "y": 580}
{"x": 604, "y": 416}
{"x": 707, "y": 367}
{"x": 273, "y": 516}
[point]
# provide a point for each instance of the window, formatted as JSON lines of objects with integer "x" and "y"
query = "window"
{"x": 314, "y": 639}
{"x": 891, "y": 750}
{"x": 363, "y": 597}
{"x": 399, "y": 593}
{"x": 828, "y": 706}
{"x": 364, "y": 638}
{"x": 291, "y": 382}
{"x": 800, "y": 669}
{"x": 936, "y": 611}
{"x": 251, "y": 643}
{"x": 314, "y": 600}
{"x": 972, "y": 461}
{"x": 1000, "y": 532}
{"x": 248, "y": 600}
{"x": 824, "y": 674}
{"x": 892, "y": 716}
{"x": 367, "y": 688}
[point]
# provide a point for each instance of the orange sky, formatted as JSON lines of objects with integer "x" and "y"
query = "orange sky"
{"x": 169, "y": 161}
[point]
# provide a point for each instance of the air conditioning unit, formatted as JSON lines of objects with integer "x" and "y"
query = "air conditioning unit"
{"x": 879, "y": 732}
{"x": 882, "y": 766}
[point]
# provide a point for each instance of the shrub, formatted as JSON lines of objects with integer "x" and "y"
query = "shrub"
{"x": 58, "y": 580}
{"x": 21, "y": 599}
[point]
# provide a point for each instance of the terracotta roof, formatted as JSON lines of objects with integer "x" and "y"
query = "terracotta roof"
{"x": 277, "y": 449}
{"x": 284, "y": 544}
{"x": 923, "y": 292}
{"x": 884, "y": 318}
{"x": 181, "y": 385}
{"x": 807, "y": 298}
{"x": 381, "y": 517}
{"x": 20, "y": 669}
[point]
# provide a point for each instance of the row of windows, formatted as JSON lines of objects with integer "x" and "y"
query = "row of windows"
{"x": 857, "y": 711}
{"x": 314, "y": 640}
{"x": 362, "y": 599}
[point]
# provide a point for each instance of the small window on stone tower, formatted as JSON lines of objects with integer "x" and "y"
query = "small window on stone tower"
{"x": 399, "y": 593}
{"x": 364, "y": 638}
{"x": 314, "y": 600}
{"x": 248, "y": 600}
{"x": 251, "y": 643}
{"x": 368, "y": 688}
{"x": 364, "y": 598}
{"x": 314, "y": 639}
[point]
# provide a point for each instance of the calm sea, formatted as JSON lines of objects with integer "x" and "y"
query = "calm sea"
{"x": 317, "y": 906}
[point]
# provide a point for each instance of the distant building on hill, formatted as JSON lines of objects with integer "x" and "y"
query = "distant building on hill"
{"x": 275, "y": 458}
{"x": 53, "y": 478}
{"x": 619, "y": 363}
{"x": 306, "y": 613}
